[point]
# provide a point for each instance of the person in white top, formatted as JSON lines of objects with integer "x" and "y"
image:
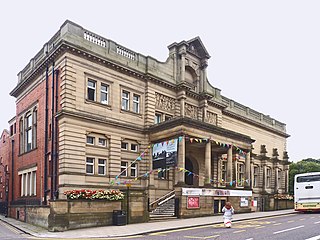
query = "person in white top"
{"x": 228, "y": 212}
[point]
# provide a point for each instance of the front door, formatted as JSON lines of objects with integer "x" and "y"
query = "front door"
{"x": 188, "y": 176}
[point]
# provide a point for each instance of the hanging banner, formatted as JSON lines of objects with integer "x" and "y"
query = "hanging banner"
{"x": 165, "y": 154}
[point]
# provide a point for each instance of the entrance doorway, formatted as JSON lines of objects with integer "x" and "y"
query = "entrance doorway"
{"x": 189, "y": 177}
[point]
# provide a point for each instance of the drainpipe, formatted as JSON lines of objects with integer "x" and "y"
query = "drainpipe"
{"x": 52, "y": 133}
{"x": 12, "y": 170}
{"x": 55, "y": 166}
{"x": 45, "y": 183}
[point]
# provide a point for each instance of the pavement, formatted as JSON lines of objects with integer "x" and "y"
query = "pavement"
{"x": 136, "y": 229}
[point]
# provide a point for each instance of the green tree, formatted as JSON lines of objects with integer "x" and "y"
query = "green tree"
{"x": 303, "y": 166}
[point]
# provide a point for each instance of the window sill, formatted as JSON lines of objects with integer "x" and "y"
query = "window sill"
{"x": 131, "y": 113}
{"x": 108, "y": 106}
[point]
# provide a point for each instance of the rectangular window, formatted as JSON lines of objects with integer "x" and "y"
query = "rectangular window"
{"x": 162, "y": 174}
{"x": 104, "y": 93}
{"x": 224, "y": 172}
{"x": 125, "y": 100}
{"x": 167, "y": 117}
{"x": 90, "y": 165}
{"x": 134, "y": 147}
{"x": 102, "y": 142}
{"x": 279, "y": 178}
{"x": 124, "y": 145}
{"x": 90, "y": 140}
{"x": 123, "y": 169}
{"x": 255, "y": 176}
{"x": 136, "y": 103}
{"x": 157, "y": 118}
{"x": 91, "y": 90}
{"x": 133, "y": 171}
{"x": 102, "y": 166}
{"x": 240, "y": 179}
{"x": 28, "y": 182}
{"x": 268, "y": 177}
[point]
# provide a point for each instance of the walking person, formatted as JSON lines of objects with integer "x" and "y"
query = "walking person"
{"x": 228, "y": 212}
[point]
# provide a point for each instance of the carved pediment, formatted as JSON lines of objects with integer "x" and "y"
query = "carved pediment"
{"x": 196, "y": 47}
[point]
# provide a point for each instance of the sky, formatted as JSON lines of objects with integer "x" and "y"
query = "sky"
{"x": 264, "y": 54}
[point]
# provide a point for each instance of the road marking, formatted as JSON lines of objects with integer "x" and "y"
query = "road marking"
{"x": 208, "y": 237}
{"x": 316, "y": 222}
{"x": 314, "y": 238}
{"x": 290, "y": 221}
{"x": 276, "y": 224}
{"x": 301, "y": 219}
{"x": 249, "y": 239}
{"x": 313, "y": 217}
{"x": 260, "y": 227}
{"x": 239, "y": 231}
{"x": 289, "y": 229}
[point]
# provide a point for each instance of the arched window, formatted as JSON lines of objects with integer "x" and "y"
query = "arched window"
{"x": 21, "y": 138}
{"x": 34, "y": 128}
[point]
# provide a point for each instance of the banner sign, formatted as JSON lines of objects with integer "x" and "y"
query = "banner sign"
{"x": 193, "y": 202}
{"x": 165, "y": 154}
{"x": 215, "y": 192}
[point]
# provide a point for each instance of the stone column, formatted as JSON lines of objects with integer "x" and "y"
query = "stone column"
{"x": 183, "y": 67}
{"x": 229, "y": 165}
{"x": 180, "y": 177}
{"x": 151, "y": 176}
{"x": 182, "y": 98}
{"x": 276, "y": 183}
{"x": 208, "y": 163}
{"x": 248, "y": 169}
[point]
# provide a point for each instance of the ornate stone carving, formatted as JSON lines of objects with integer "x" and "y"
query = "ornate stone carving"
{"x": 191, "y": 111}
{"x": 263, "y": 150}
{"x": 165, "y": 102}
{"x": 285, "y": 156}
{"x": 275, "y": 153}
{"x": 211, "y": 118}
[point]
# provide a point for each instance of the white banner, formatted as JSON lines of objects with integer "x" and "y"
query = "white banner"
{"x": 215, "y": 192}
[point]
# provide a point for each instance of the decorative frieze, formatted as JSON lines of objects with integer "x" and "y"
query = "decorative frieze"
{"x": 165, "y": 102}
{"x": 191, "y": 111}
{"x": 211, "y": 118}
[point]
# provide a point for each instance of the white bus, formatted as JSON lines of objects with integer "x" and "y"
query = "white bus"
{"x": 307, "y": 192}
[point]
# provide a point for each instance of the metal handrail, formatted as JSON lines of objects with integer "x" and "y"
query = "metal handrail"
{"x": 162, "y": 199}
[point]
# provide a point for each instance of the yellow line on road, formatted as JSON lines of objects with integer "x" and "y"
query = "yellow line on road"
{"x": 208, "y": 237}
{"x": 179, "y": 230}
{"x": 239, "y": 231}
{"x": 12, "y": 229}
{"x": 301, "y": 219}
{"x": 260, "y": 227}
{"x": 290, "y": 221}
{"x": 276, "y": 224}
{"x": 109, "y": 238}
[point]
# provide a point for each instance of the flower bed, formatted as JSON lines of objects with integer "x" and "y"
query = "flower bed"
{"x": 109, "y": 195}
{"x": 283, "y": 197}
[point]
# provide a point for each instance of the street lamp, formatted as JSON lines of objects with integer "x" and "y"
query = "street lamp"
{"x": 6, "y": 187}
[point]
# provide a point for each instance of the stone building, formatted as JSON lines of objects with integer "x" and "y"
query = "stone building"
{"x": 89, "y": 112}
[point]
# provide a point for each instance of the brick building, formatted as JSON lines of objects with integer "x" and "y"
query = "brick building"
{"x": 89, "y": 111}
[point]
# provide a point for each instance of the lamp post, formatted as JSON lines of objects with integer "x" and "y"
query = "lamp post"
{"x": 6, "y": 187}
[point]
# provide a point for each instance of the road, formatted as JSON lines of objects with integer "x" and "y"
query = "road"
{"x": 292, "y": 226}
{"x": 283, "y": 227}
{"x": 8, "y": 232}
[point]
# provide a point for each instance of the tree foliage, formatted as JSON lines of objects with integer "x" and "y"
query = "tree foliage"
{"x": 303, "y": 166}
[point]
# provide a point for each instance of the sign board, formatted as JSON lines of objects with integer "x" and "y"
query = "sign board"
{"x": 244, "y": 202}
{"x": 193, "y": 202}
{"x": 165, "y": 154}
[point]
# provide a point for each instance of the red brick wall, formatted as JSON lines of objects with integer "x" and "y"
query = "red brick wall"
{"x": 4, "y": 160}
{"x": 36, "y": 156}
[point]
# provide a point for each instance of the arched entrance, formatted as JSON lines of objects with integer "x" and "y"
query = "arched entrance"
{"x": 192, "y": 165}
{"x": 189, "y": 177}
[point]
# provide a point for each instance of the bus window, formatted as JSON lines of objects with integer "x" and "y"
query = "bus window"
{"x": 313, "y": 178}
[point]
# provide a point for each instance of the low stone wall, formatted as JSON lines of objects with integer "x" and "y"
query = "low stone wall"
{"x": 72, "y": 214}
{"x": 35, "y": 215}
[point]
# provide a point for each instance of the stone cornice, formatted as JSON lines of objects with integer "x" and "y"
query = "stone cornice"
{"x": 95, "y": 118}
{"x": 189, "y": 122}
{"x": 255, "y": 123}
